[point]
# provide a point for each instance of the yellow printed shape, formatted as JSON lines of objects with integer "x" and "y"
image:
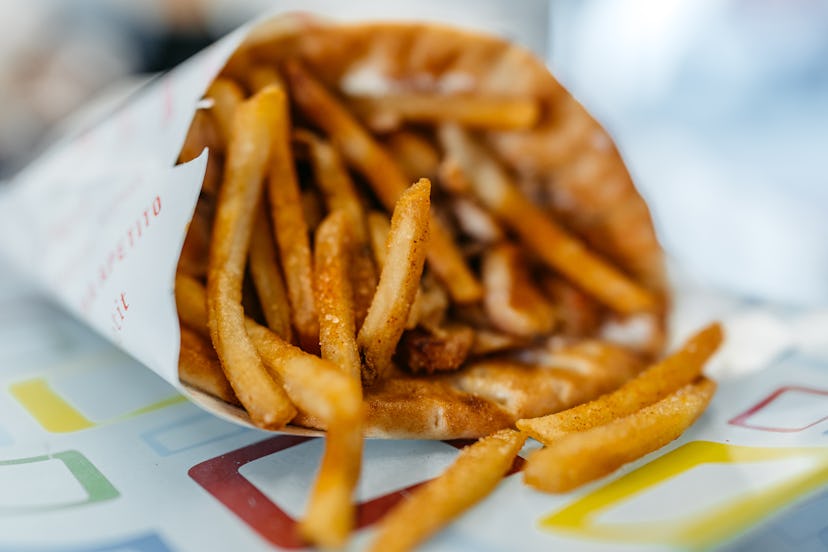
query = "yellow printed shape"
{"x": 56, "y": 415}
{"x": 698, "y": 530}
{"x": 49, "y": 408}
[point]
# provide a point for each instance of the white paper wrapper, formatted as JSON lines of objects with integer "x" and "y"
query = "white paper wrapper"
{"x": 100, "y": 219}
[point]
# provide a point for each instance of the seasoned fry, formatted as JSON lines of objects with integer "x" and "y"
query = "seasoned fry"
{"x": 650, "y": 386}
{"x": 399, "y": 281}
{"x": 312, "y": 208}
{"x": 483, "y": 112}
{"x": 291, "y": 234}
{"x": 451, "y": 178}
{"x": 267, "y": 277}
{"x": 476, "y": 222}
{"x": 336, "y": 185}
{"x": 490, "y": 341}
{"x": 430, "y": 304}
{"x": 579, "y": 314}
{"x": 330, "y": 516}
{"x": 316, "y": 385}
{"x": 334, "y": 295}
{"x": 261, "y": 76}
{"x": 195, "y": 252}
{"x": 512, "y": 301}
{"x": 247, "y": 157}
{"x": 379, "y": 227}
{"x": 383, "y": 175}
{"x": 204, "y": 133}
{"x": 191, "y": 304}
{"x": 199, "y": 367}
{"x": 550, "y": 242}
{"x": 578, "y": 458}
{"x": 226, "y": 96}
{"x": 319, "y": 389}
{"x": 416, "y": 156}
{"x": 476, "y": 472}
{"x": 201, "y": 134}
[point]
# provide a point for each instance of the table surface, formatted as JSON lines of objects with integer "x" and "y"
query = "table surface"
{"x": 99, "y": 454}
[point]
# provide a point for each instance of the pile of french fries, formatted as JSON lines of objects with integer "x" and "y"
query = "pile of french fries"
{"x": 340, "y": 241}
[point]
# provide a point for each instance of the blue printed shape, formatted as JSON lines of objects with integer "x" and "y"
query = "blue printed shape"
{"x": 141, "y": 543}
{"x": 189, "y": 433}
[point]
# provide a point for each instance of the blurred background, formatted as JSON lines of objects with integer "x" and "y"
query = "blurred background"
{"x": 720, "y": 107}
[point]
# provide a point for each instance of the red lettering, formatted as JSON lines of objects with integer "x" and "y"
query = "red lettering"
{"x": 119, "y": 252}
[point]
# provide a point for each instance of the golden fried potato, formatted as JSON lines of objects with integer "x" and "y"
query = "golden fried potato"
{"x": 651, "y": 385}
{"x": 475, "y": 473}
{"x": 248, "y": 155}
{"x": 398, "y": 283}
{"x": 554, "y": 246}
{"x": 581, "y": 457}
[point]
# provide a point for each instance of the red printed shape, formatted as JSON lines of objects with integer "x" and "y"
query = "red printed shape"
{"x": 221, "y": 478}
{"x": 789, "y": 409}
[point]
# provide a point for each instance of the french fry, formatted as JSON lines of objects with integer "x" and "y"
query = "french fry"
{"x": 291, "y": 234}
{"x": 334, "y": 294}
{"x": 204, "y": 133}
{"x": 199, "y": 367}
{"x": 383, "y": 175}
{"x": 653, "y": 384}
{"x": 201, "y": 134}
{"x": 512, "y": 301}
{"x": 415, "y": 155}
{"x": 226, "y": 96}
{"x": 195, "y": 252}
{"x": 312, "y": 208}
{"x": 261, "y": 76}
{"x": 334, "y": 182}
{"x": 398, "y": 283}
{"x": 476, "y": 222}
{"x": 430, "y": 305}
{"x": 340, "y": 194}
{"x": 578, "y": 458}
{"x": 191, "y": 304}
{"x": 487, "y": 342}
{"x": 330, "y": 516}
{"x": 267, "y": 277}
{"x": 578, "y": 313}
{"x": 378, "y": 228}
{"x": 476, "y": 111}
{"x": 319, "y": 389}
{"x": 247, "y": 156}
{"x": 451, "y": 178}
{"x": 476, "y": 472}
{"x": 551, "y": 243}
{"x": 316, "y": 385}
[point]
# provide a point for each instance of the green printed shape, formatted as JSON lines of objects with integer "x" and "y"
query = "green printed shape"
{"x": 97, "y": 487}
